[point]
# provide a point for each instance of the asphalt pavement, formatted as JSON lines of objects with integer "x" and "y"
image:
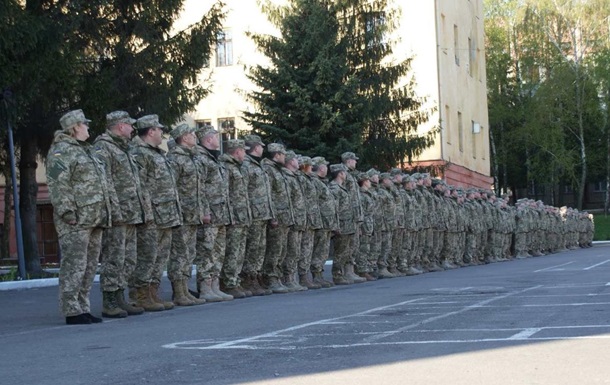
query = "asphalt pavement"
{"x": 543, "y": 320}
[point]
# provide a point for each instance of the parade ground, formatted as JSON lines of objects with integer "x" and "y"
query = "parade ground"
{"x": 543, "y": 320}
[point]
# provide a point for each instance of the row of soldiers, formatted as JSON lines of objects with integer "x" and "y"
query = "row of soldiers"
{"x": 257, "y": 225}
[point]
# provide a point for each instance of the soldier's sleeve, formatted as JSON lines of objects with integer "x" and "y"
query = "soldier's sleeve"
{"x": 103, "y": 155}
{"x": 60, "y": 190}
{"x": 141, "y": 162}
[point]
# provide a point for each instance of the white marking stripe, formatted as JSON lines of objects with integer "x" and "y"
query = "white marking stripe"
{"x": 553, "y": 267}
{"x": 598, "y": 264}
{"x": 525, "y": 334}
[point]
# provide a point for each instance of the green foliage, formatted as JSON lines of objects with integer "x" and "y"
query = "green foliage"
{"x": 331, "y": 88}
{"x": 602, "y": 227}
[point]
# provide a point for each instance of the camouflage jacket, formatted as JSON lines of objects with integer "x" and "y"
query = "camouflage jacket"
{"x": 414, "y": 211}
{"x": 77, "y": 185}
{"x": 420, "y": 197}
{"x": 238, "y": 192}
{"x": 297, "y": 199}
{"x": 351, "y": 185}
{"x": 215, "y": 189}
{"x": 122, "y": 172}
{"x": 314, "y": 217}
{"x": 378, "y": 220}
{"x": 259, "y": 191}
{"x": 326, "y": 203}
{"x": 280, "y": 198}
{"x": 188, "y": 182}
{"x": 399, "y": 215}
{"x": 345, "y": 212}
{"x": 369, "y": 206}
{"x": 158, "y": 182}
{"x": 388, "y": 208}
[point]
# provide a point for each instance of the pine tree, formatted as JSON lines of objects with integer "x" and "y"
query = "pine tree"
{"x": 308, "y": 100}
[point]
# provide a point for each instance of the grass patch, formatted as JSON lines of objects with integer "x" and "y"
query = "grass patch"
{"x": 602, "y": 227}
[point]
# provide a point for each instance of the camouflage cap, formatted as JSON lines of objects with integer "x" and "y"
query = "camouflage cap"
{"x": 348, "y": 155}
{"x": 319, "y": 161}
{"x": 416, "y": 176}
{"x": 233, "y": 144}
{"x": 372, "y": 172}
{"x": 253, "y": 139}
{"x": 385, "y": 175}
{"x": 116, "y": 117}
{"x": 290, "y": 155}
{"x": 336, "y": 168}
{"x": 72, "y": 118}
{"x": 363, "y": 176}
{"x": 148, "y": 121}
{"x": 180, "y": 130}
{"x": 305, "y": 160}
{"x": 276, "y": 147}
{"x": 205, "y": 131}
{"x": 395, "y": 171}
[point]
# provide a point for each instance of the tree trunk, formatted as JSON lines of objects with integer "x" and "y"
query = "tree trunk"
{"x": 494, "y": 155}
{"x": 581, "y": 139}
{"x": 8, "y": 194}
{"x": 27, "y": 204}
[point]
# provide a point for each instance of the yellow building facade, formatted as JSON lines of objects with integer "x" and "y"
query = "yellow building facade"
{"x": 446, "y": 40}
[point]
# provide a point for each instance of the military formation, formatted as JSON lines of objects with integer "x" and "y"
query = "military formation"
{"x": 258, "y": 219}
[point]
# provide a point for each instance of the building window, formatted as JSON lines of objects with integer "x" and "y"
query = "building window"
{"x": 48, "y": 244}
{"x": 460, "y": 132}
{"x": 224, "y": 49}
{"x": 471, "y": 57}
{"x": 199, "y": 124}
{"x": 474, "y": 138}
{"x": 599, "y": 186}
{"x": 447, "y": 124}
{"x": 226, "y": 126}
{"x": 456, "y": 46}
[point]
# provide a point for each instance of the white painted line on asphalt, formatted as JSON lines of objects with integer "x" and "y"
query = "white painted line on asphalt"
{"x": 524, "y": 334}
{"x": 274, "y": 334}
{"x": 597, "y": 264}
{"x": 449, "y": 314}
{"x": 552, "y": 267}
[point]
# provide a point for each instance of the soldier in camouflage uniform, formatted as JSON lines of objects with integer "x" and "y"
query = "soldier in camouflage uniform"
{"x": 119, "y": 247}
{"x": 81, "y": 209}
{"x": 259, "y": 193}
{"x": 349, "y": 160}
{"x": 413, "y": 226}
{"x": 277, "y": 231}
{"x": 399, "y": 222}
{"x": 330, "y": 221}
{"x": 155, "y": 237}
{"x": 241, "y": 218}
{"x": 375, "y": 247}
{"x": 364, "y": 267}
{"x": 211, "y": 236}
{"x": 182, "y": 158}
{"x": 314, "y": 221}
{"x": 387, "y": 206}
{"x": 295, "y": 233}
{"x": 344, "y": 236}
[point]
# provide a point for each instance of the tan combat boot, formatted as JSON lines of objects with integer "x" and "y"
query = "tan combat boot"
{"x": 110, "y": 307}
{"x": 384, "y": 273}
{"x": 205, "y": 291}
{"x": 250, "y": 283}
{"x": 195, "y": 300}
{"x": 129, "y": 308}
{"x": 260, "y": 282}
{"x": 305, "y": 281}
{"x": 351, "y": 276}
{"x": 218, "y": 292}
{"x": 179, "y": 297}
{"x": 276, "y": 287}
{"x": 232, "y": 290}
{"x": 154, "y": 294}
{"x": 319, "y": 279}
{"x": 145, "y": 301}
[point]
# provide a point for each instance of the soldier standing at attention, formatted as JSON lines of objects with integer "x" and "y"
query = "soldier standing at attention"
{"x": 321, "y": 238}
{"x": 212, "y": 235}
{"x": 240, "y": 216}
{"x": 81, "y": 209}
{"x": 344, "y": 236}
{"x": 350, "y": 160}
{"x": 259, "y": 194}
{"x": 154, "y": 238}
{"x": 277, "y": 231}
{"x": 364, "y": 267}
{"x": 184, "y": 238}
{"x": 119, "y": 251}
{"x": 299, "y": 213}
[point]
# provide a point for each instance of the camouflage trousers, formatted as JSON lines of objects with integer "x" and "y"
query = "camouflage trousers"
{"x": 277, "y": 238}
{"x": 481, "y": 245}
{"x": 396, "y": 250}
{"x": 354, "y": 246}
{"x": 147, "y": 239}
{"x": 406, "y": 258}
{"x": 386, "y": 248}
{"x": 119, "y": 254}
{"x": 80, "y": 251}
{"x": 428, "y": 245}
{"x": 293, "y": 251}
{"x": 343, "y": 247}
{"x": 182, "y": 254}
{"x": 450, "y": 247}
{"x": 210, "y": 251}
{"x": 321, "y": 246}
{"x": 164, "y": 246}
{"x": 255, "y": 247}
{"x": 306, "y": 251}
{"x": 234, "y": 257}
{"x": 363, "y": 262}
{"x": 461, "y": 248}
{"x": 470, "y": 248}
{"x": 375, "y": 249}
